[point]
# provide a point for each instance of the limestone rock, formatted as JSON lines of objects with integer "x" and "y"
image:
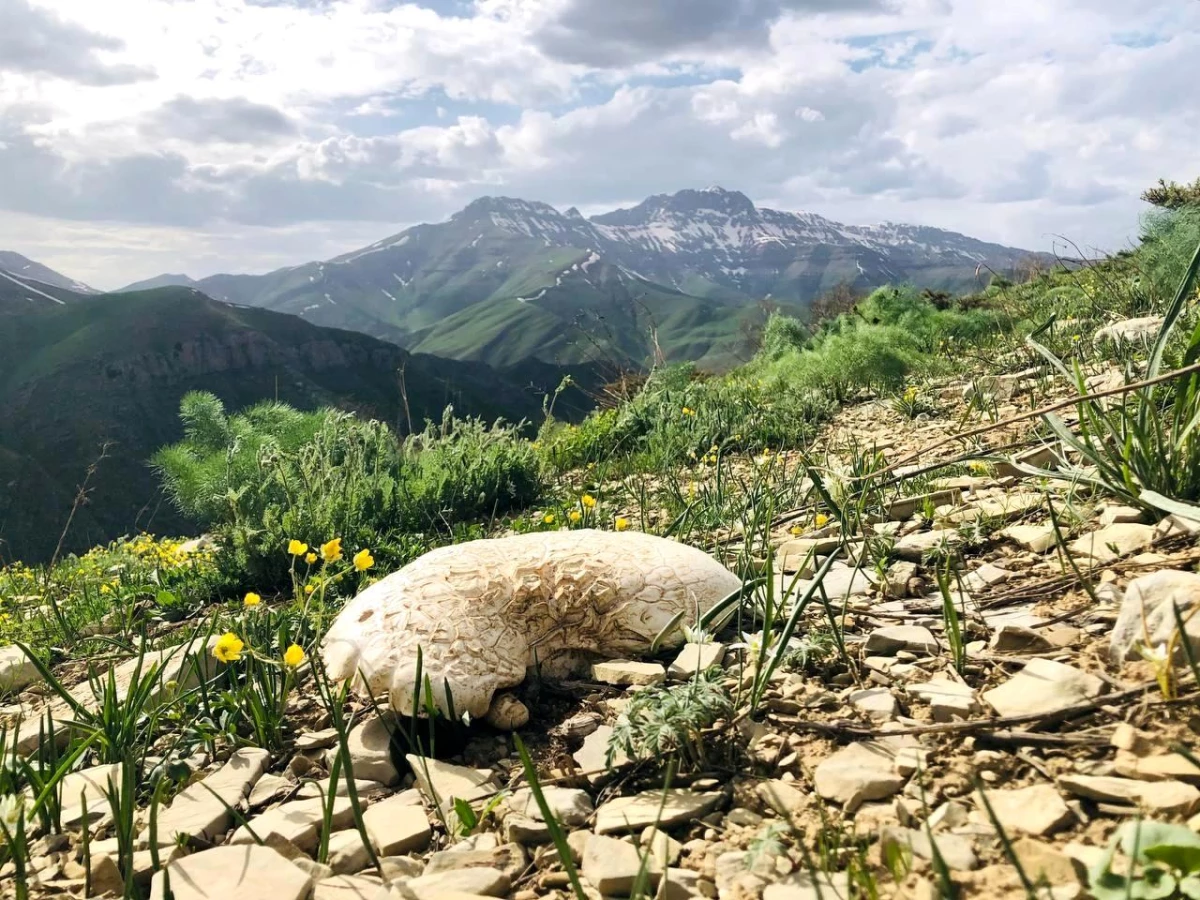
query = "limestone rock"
{"x": 201, "y": 810}
{"x": 782, "y": 796}
{"x": 892, "y": 639}
{"x": 913, "y": 547}
{"x": 612, "y": 866}
{"x": 1036, "y": 538}
{"x": 484, "y": 611}
{"x": 948, "y": 699}
{"x": 1130, "y": 330}
{"x": 634, "y": 813}
{"x": 628, "y": 672}
{"x": 456, "y": 882}
{"x": 593, "y": 755}
{"x": 16, "y": 671}
{"x": 441, "y": 782}
{"x": 695, "y": 658}
{"x": 570, "y": 806}
{"x": 370, "y": 746}
{"x": 347, "y": 887}
{"x": 1043, "y": 686}
{"x": 1148, "y": 609}
{"x": 878, "y": 703}
{"x": 1164, "y": 797}
{"x": 1037, "y": 810}
{"x": 299, "y": 821}
{"x": 396, "y": 826}
{"x": 1113, "y": 541}
{"x": 1018, "y": 639}
{"x": 857, "y": 773}
{"x": 247, "y": 871}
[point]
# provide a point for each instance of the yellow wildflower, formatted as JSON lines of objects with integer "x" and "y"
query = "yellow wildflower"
{"x": 548, "y": 518}
{"x": 588, "y": 501}
{"x": 310, "y": 558}
{"x": 688, "y": 411}
{"x": 297, "y": 548}
{"x": 228, "y": 648}
{"x": 621, "y": 523}
{"x": 363, "y": 560}
{"x": 252, "y": 599}
{"x": 574, "y": 515}
{"x": 820, "y": 520}
{"x": 293, "y": 656}
{"x": 796, "y": 531}
{"x": 331, "y": 551}
{"x": 309, "y": 588}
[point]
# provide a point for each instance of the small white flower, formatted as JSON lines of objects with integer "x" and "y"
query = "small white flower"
{"x": 10, "y": 811}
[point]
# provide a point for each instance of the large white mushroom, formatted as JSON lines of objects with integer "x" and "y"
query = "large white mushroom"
{"x": 483, "y": 612}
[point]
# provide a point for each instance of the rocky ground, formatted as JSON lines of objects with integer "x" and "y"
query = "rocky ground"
{"x": 992, "y": 752}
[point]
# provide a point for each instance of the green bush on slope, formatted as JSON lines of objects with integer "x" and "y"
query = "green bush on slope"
{"x": 269, "y": 474}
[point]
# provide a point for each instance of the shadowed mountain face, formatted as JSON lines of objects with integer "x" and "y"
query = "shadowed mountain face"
{"x": 687, "y": 275}
{"x": 108, "y": 371}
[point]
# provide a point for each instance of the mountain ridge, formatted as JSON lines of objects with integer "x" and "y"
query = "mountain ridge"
{"x": 686, "y": 275}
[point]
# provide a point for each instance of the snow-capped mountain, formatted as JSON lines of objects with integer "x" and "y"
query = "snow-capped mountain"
{"x": 506, "y": 277}
{"x": 23, "y": 281}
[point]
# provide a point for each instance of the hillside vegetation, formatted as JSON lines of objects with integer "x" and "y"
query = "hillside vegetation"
{"x": 962, "y": 662}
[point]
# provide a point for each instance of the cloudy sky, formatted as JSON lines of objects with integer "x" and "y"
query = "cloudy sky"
{"x": 197, "y": 136}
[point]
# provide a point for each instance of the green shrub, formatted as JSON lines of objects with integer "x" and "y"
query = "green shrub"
{"x": 264, "y": 476}
{"x": 677, "y": 417}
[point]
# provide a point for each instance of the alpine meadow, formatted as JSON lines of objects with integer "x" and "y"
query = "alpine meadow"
{"x": 596, "y": 534}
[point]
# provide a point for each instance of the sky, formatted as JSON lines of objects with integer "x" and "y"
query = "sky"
{"x": 203, "y": 136}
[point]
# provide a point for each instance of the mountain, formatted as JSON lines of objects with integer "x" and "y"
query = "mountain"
{"x": 686, "y": 275}
{"x": 77, "y": 376}
{"x": 14, "y": 265}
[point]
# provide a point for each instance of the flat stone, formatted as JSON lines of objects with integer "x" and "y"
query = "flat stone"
{"x": 1145, "y": 328}
{"x": 913, "y": 547}
{"x": 347, "y": 852}
{"x": 877, "y": 703}
{"x": 612, "y": 866}
{"x": 695, "y": 658}
{"x": 634, "y": 813}
{"x": 628, "y": 672}
{"x": 508, "y": 859}
{"x": 450, "y": 885}
{"x": 1005, "y": 507}
{"x": 267, "y": 788}
{"x": 247, "y": 872}
{"x": 1165, "y": 767}
{"x": 370, "y": 746}
{"x": 1036, "y": 538}
{"x": 299, "y": 821}
{"x": 1018, "y": 639}
{"x": 16, "y": 670}
{"x": 1113, "y": 541}
{"x": 661, "y": 845}
{"x": 807, "y": 886}
{"x": 1043, "y": 686}
{"x": 782, "y": 796}
{"x": 593, "y": 755}
{"x": 570, "y": 806}
{"x": 897, "y": 577}
{"x": 1148, "y": 611}
{"x": 955, "y": 849}
{"x": 948, "y": 699}
{"x": 893, "y": 638}
{"x": 842, "y": 582}
{"x": 442, "y": 782}
{"x": 1042, "y": 861}
{"x": 201, "y": 810}
{"x": 347, "y": 887}
{"x": 1116, "y": 515}
{"x": 91, "y": 786}
{"x": 397, "y": 826}
{"x": 1166, "y": 797}
{"x": 1037, "y": 810}
{"x": 857, "y": 773}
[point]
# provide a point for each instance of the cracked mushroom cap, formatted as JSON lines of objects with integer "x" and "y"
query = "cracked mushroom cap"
{"x": 482, "y": 612}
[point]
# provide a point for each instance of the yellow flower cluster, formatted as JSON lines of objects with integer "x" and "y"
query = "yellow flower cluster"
{"x": 229, "y": 649}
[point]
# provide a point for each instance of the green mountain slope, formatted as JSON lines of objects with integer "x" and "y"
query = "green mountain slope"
{"x": 110, "y": 373}
{"x": 681, "y": 276}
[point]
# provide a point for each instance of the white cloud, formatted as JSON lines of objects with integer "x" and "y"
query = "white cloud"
{"x": 256, "y": 134}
